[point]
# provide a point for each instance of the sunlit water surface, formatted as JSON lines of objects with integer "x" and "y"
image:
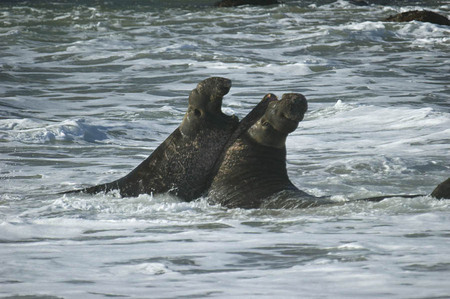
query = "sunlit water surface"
{"x": 89, "y": 89}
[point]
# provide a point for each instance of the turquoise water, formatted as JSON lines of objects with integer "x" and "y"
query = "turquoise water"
{"x": 89, "y": 89}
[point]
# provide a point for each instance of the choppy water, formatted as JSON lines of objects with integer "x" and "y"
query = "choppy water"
{"x": 89, "y": 89}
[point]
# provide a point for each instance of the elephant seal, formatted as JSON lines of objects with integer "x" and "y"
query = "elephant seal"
{"x": 183, "y": 164}
{"x": 253, "y": 173}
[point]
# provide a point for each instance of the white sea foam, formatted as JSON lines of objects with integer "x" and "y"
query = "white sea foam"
{"x": 34, "y": 131}
{"x": 372, "y": 126}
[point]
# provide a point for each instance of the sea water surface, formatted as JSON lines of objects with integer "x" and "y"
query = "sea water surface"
{"x": 88, "y": 89}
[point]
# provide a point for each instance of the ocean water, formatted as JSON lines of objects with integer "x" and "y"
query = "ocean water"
{"x": 88, "y": 89}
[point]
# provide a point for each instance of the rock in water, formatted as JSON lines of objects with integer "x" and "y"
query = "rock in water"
{"x": 442, "y": 191}
{"x": 419, "y": 15}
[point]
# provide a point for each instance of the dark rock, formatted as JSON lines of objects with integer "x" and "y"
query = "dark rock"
{"x": 422, "y": 16}
{"x": 442, "y": 191}
{"x": 232, "y": 3}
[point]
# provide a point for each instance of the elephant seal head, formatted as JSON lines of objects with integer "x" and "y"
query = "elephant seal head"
{"x": 280, "y": 119}
{"x": 205, "y": 103}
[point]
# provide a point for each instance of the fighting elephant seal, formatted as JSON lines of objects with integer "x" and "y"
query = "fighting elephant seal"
{"x": 183, "y": 164}
{"x": 252, "y": 171}
{"x": 253, "y": 168}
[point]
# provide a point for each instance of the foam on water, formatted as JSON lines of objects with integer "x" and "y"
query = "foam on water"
{"x": 259, "y": 247}
{"x": 30, "y": 131}
{"x": 370, "y": 142}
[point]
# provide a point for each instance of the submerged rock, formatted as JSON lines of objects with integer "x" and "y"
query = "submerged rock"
{"x": 232, "y": 3}
{"x": 419, "y": 15}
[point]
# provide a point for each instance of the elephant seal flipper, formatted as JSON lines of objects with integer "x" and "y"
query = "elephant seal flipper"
{"x": 182, "y": 164}
{"x": 442, "y": 191}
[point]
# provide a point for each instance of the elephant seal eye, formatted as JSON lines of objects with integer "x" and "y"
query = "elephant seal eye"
{"x": 197, "y": 112}
{"x": 265, "y": 124}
